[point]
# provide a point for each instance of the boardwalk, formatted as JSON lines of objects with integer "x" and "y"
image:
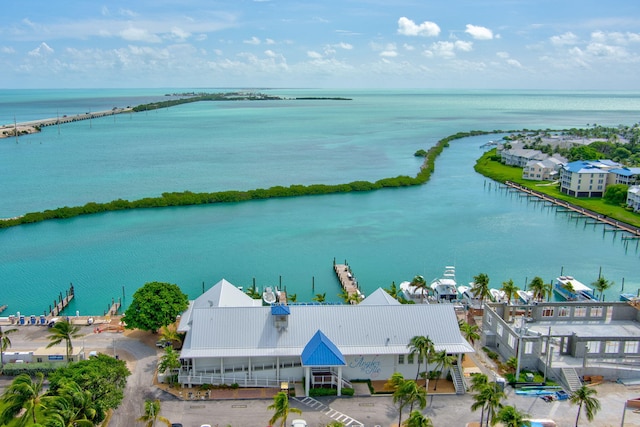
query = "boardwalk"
{"x": 348, "y": 282}
{"x": 617, "y": 225}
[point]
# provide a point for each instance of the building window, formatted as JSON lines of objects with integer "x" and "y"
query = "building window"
{"x": 489, "y": 320}
{"x": 596, "y": 311}
{"x": 401, "y": 359}
{"x": 499, "y": 329}
{"x": 528, "y": 347}
{"x": 580, "y": 311}
{"x": 547, "y": 312}
{"x": 564, "y": 312}
{"x": 512, "y": 341}
{"x": 631, "y": 347}
{"x": 593, "y": 347}
{"x": 410, "y": 359}
{"x": 612, "y": 347}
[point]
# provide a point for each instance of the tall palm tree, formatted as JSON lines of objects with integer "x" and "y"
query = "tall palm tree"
{"x": 470, "y": 332}
{"x": 409, "y": 392}
{"x": 281, "y": 409}
{"x": 170, "y": 334}
{"x": 480, "y": 287}
{"x": 601, "y": 285}
{"x": 478, "y": 383}
{"x": 392, "y": 290}
{"x": 64, "y": 331}
{"x": 344, "y": 295}
{"x": 23, "y": 393}
{"x": 443, "y": 361}
{"x": 422, "y": 347}
{"x": 152, "y": 414}
{"x": 547, "y": 289}
{"x": 495, "y": 396}
{"x": 5, "y": 343}
{"x": 509, "y": 416}
{"x": 509, "y": 289}
{"x": 253, "y": 292}
{"x": 292, "y": 297}
{"x": 416, "y": 419}
{"x": 421, "y": 285}
{"x": 585, "y": 396}
{"x": 170, "y": 360}
{"x": 537, "y": 287}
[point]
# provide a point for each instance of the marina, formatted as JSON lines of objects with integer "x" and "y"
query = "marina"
{"x": 61, "y": 303}
{"x": 348, "y": 282}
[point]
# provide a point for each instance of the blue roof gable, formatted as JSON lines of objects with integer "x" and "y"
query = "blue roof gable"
{"x": 320, "y": 351}
{"x": 280, "y": 310}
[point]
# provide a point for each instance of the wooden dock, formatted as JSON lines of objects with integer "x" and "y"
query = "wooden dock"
{"x": 61, "y": 303}
{"x": 282, "y": 297}
{"x": 348, "y": 282}
{"x": 114, "y": 307}
{"x": 3, "y": 308}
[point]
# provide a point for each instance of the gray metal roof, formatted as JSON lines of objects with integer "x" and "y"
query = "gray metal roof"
{"x": 355, "y": 329}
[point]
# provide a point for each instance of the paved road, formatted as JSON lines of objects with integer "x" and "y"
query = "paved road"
{"x": 372, "y": 411}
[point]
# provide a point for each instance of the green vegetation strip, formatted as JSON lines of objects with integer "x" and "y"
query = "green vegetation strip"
{"x": 489, "y": 165}
{"x": 188, "y": 198}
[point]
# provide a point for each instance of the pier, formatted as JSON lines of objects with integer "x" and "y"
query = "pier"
{"x": 61, "y": 303}
{"x": 3, "y": 308}
{"x": 348, "y": 282}
{"x": 114, "y": 307}
{"x": 563, "y": 206}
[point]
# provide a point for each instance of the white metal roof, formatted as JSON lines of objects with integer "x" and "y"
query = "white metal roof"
{"x": 355, "y": 329}
{"x": 379, "y": 297}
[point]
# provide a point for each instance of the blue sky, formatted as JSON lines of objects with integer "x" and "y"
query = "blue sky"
{"x": 513, "y": 44}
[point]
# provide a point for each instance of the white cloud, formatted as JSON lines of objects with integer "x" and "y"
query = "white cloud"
{"x": 565, "y": 39}
{"x": 447, "y": 49}
{"x": 345, "y": 46}
{"x": 269, "y": 41}
{"x": 463, "y": 46}
{"x": 139, "y": 35}
{"x": 179, "y": 34}
{"x": 314, "y": 55}
{"x": 503, "y": 55}
{"x": 254, "y": 40}
{"x": 604, "y": 50}
{"x": 479, "y": 33}
{"x": 6, "y": 49}
{"x": 408, "y": 47}
{"x": 407, "y": 27}
{"x": 41, "y": 50}
{"x": 514, "y": 63}
{"x": 389, "y": 54}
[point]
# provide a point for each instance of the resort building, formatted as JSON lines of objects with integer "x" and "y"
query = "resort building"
{"x": 586, "y": 178}
{"x": 230, "y": 340}
{"x": 543, "y": 170}
{"x": 566, "y": 339}
{"x": 520, "y": 156}
{"x": 626, "y": 176}
{"x": 633, "y": 198}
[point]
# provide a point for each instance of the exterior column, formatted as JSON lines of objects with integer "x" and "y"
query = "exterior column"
{"x": 278, "y": 369}
{"x": 221, "y": 370}
{"x": 307, "y": 380}
{"x": 339, "y": 381}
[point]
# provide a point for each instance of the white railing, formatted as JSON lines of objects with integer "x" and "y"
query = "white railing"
{"x": 200, "y": 378}
{"x": 331, "y": 379}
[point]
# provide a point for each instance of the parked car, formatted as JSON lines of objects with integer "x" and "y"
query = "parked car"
{"x": 163, "y": 343}
{"x": 298, "y": 423}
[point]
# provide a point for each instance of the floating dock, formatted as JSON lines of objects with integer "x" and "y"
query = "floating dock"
{"x": 348, "y": 282}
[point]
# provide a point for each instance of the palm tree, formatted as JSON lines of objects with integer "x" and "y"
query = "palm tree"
{"x": 170, "y": 334}
{"x": 488, "y": 397}
{"x": 409, "y": 392}
{"x": 394, "y": 381}
{"x": 253, "y": 292}
{"x": 320, "y": 297}
{"x": 64, "y": 331}
{"x": 170, "y": 360}
{"x": 509, "y": 289}
{"x": 547, "y": 289}
{"x": 602, "y": 285}
{"x": 444, "y": 362}
{"x": 152, "y": 414}
{"x": 292, "y": 297}
{"x": 345, "y": 296}
{"x": 421, "y": 285}
{"x": 281, "y": 409}
{"x": 470, "y": 332}
{"x": 416, "y": 419}
{"x": 478, "y": 383}
{"x": 422, "y": 347}
{"x": 23, "y": 393}
{"x": 392, "y": 290}
{"x": 509, "y": 416}
{"x": 70, "y": 406}
{"x": 5, "y": 343}
{"x": 480, "y": 287}
{"x": 585, "y": 396}
{"x": 537, "y": 287}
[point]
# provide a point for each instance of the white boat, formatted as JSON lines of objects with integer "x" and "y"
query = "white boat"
{"x": 414, "y": 293}
{"x": 573, "y": 290}
{"x": 445, "y": 287}
{"x": 269, "y": 296}
{"x": 497, "y": 295}
{"x": 525, "y": 296}
{"x": 470, "y": 298}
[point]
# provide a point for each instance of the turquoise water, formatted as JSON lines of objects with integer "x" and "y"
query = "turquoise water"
{"x": 390, "y": 235}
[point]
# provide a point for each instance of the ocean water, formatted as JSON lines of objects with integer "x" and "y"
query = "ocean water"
{"x": 457, "y": 218}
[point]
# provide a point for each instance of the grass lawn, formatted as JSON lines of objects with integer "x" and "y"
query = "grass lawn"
{"x": 497, "y": 171}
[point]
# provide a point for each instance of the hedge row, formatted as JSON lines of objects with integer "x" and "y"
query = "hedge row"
{"x": 188, "y": 198}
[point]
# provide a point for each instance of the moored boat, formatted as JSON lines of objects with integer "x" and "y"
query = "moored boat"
{"x": 573, "y": 290}
{"x": 269, "y": 296}
{"x": 417, "y": 294}
{"x": 497, "y": 295}
{"x": 445, "y": 287}
{"x": 525, "y": 296}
